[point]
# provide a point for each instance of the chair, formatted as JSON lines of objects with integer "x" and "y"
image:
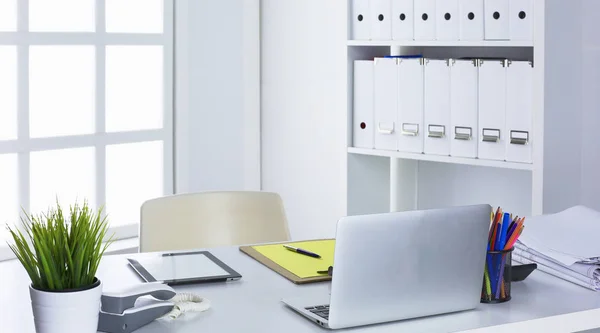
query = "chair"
{"x": 210, "y": 219}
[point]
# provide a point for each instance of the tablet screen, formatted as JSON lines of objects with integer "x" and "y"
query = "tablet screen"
{"x": 181, "y": 267}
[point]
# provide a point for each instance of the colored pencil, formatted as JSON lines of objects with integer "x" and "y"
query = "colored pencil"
{"x": 490, "y": 264}
{"x": 493, "y": 226}
{"x": 518, "y": 234}
{"x": 493, "y": 240}
{"x": 501, "y": 275}
{"x": 513, "y": 223}
{"x": 510, "y": 234}
{"x": 488, "y": 287}
{"x": 503, "y": 239}
{"x": 498, "y": 242}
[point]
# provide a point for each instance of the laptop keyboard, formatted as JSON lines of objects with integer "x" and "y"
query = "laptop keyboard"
{"x": 320, "y": 310}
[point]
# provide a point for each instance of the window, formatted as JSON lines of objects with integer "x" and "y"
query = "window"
{"x": 85, "y": 106}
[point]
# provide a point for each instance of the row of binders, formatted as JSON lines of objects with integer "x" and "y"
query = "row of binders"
{"x": 447, "y": 20}
{"x": 474, "y": 108}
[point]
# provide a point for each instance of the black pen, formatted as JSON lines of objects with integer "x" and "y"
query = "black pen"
{"x": 301, "y": 251}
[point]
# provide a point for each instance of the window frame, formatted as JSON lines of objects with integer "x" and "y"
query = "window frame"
{"x": 23, "y": 145}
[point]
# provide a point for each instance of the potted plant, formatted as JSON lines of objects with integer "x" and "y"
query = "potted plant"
{"x": 61, "y": 255}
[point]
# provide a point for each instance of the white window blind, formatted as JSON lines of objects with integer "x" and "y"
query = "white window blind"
{"x": 86, "y": 95}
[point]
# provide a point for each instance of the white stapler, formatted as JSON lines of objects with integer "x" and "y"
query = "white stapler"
{"x": 124, "y": 312}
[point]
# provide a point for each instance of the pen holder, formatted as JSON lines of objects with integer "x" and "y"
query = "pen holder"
{"x": 497, "y": 277}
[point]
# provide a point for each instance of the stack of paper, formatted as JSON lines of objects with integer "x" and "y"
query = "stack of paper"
{"x": 565, "y": 245}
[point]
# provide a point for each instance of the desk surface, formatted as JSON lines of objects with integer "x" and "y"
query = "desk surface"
{"x": 253, "y": 303}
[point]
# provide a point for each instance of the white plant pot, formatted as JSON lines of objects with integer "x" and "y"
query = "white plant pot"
{"x": 66, "y": 312}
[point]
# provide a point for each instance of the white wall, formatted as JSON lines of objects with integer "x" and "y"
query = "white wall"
{"x": 590, "y": 173}
{"x": 218, "y": 95}
{"x": 572, "y": 147}
{"x": 303, "y": 100}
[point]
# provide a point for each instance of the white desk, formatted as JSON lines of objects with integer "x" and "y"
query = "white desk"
{"x": 252, "y": 304}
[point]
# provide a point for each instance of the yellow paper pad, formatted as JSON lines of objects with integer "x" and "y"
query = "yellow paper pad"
{"x": 299, "y": 264}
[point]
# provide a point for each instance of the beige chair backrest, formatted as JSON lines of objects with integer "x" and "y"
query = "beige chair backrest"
{"x": 211, "y": 219}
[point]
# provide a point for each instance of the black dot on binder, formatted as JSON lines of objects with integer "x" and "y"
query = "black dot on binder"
{"x": 447, "y": 16}
{"x": 471, "y": 16}
{"x": 496, "y": 15}
{"x": 363, "y": 125}
{"x": 380, "y": 17}
{"x": 522, "y": 15}
{"x": 360, "y": 18}
{"x": 425, "y": 16}
{"x": 402, "y": 17}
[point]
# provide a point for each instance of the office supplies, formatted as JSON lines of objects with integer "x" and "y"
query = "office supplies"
{"x": 504, "y": 232}
{"x": 492, "y": 109}
{"x": 510, "y": 232}
{"x": 568, "y": 237}
{"x": 471, "y": 27}
{"x": 329, "y": 271}
{"x": 127, "y": 309}
{"x": 584, "y": 275}
{"x": 464, "y": 130}
{"x": 505, "y": 223}
{"x": 182, "y": 268}
{"x": 512, "y": 225}
{"x": 437, "y": 107}
{"x": 564, "y": 245}
{"x": 297, "y": 268}
{"x": 361, "y": 20}
{"x": 119, "y": 312}
{"x": 519, "y": 111}
{"x": 409, "y": 96}
{"x": 381, "y": 20}
{"x": 521, "y": 272}
{"x": 521, "y": 20}
{"x": 495, "y": 218}
{"x": 363, "y": 133}
{"x": 495, "y": 236}
{"x": 498, "y": 244}
{"x": 385, "y": 99}
{"x": 302, "y": 251}
{"x": 410, "y": 56}
{"x": 424, "y": 19}
{"x": 496, "y": 19}
{"x": 447, "y": 20}
{"x": 402, "y": 19}
{"x": 423, "y": 291}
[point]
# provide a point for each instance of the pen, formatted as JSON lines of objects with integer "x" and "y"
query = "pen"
{"x": 301, "y": 251}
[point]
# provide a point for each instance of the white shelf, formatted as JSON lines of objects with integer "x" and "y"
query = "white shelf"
{"x": 415, "y": 43}
{"x": 442, "y": 159}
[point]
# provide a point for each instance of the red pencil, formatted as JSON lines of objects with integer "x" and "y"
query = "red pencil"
{"x": 493, "y": 226}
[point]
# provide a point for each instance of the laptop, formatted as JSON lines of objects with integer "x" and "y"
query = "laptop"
{"x": 396, "y": 266}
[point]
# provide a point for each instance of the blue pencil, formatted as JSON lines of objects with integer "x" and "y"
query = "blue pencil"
{"x": 501, "y": 277}
{"x": 503, "y": 238}
{"x": 494, "y": 272}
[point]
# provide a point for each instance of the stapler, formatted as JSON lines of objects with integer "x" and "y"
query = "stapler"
{"x": 124, "y": 312}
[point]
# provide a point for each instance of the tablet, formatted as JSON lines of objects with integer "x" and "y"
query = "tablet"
{"x": 183, "y": 268}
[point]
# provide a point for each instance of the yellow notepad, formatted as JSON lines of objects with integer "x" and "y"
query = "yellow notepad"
{"x": 301, "y": 265}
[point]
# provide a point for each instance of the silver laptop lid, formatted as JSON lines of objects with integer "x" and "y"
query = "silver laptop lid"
{"x": 404, "y": 265}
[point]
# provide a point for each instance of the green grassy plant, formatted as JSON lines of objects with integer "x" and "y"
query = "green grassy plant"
{"x": 61, "y": 252}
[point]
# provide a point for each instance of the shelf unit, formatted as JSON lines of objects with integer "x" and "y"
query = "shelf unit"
{"x": 441, "y": 159}
{"x": 384, "y": 181}
{"x": 484, "y": 43}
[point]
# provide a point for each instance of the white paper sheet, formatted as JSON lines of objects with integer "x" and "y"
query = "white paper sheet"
{"x": 586, "y": 275}
{"x": 555, "y": 272}
{"x": 568, "y": 237}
